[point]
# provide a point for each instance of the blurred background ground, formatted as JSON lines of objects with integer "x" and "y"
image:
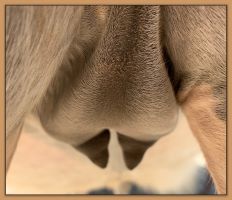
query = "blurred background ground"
{"x": 43, "y": 165}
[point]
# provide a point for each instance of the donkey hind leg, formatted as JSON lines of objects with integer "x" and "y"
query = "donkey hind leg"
{"x": 195, "y": 39}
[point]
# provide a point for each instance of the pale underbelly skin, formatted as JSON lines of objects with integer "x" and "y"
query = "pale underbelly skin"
{"x": 99, "y": 103}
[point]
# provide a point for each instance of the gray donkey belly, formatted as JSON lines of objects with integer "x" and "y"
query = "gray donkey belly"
{"x": 114, "y": 77}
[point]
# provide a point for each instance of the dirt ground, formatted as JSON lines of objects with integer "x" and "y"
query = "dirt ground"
{"x": 43, "y": 165}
